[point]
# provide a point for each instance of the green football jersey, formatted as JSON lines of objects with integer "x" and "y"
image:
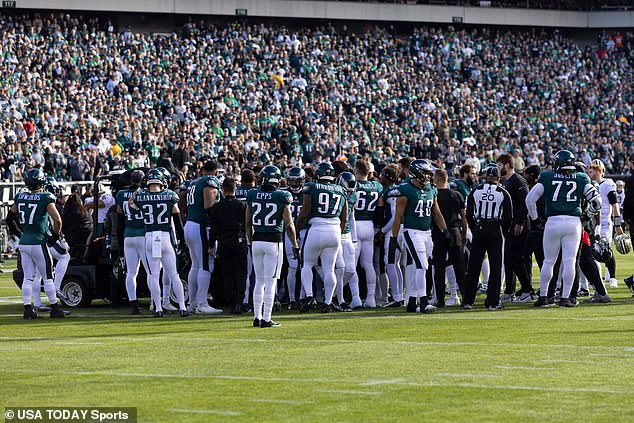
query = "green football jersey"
{"x": 266, "y": 209}
{"x": 352, "y": 200}
{"x": 327, "y": 199}
{"x": 156, "y": 208}
{"x": 419, "y": 204}
{"x": 196, "y": 201}
{"x": 296, "y": 204}
{"x": 368, "y": 193}
{"x": 461, "y": 186}
{"x": 134, "y": 225}
{"x": 33, "y": 217}
{"x": 241, "y": 193}
{"x": 563, "y": 193}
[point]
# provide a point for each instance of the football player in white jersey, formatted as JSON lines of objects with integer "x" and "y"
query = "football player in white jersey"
{"x": 610, "y": 214}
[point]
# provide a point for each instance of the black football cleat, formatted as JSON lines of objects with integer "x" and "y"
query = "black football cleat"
{"x": 308, "y": 303}
{"x": 327, "y": 308}
{"x": 544, "y": 302}
{"x": 292, "y": 306}
{"x": 344, "y": 307}
{"x": 256, "y": 323}
{"x": 185, "y": 313}
{"x": 57, "y": 312}
{"x": 158, "y": 314}
{"x": 134, "y": 309}
{"x": 567, "y": 303}
{"x": 29, "y": 313}
{"x": 269, "y": 324}
{"x": 411, "y": 305}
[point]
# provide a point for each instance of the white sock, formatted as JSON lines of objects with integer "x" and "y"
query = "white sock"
{"x": 269, "y": 298}
{"x": 486, "y": 270}
{"x": 258, "y": 297}
{"x": 451, "y": 278}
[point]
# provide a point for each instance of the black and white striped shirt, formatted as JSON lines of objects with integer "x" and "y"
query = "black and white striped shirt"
{"x": 489, "y": 202}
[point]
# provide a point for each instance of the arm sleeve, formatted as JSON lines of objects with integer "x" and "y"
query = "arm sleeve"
{"x": 178, "y": 227}
{"x": 353, "y": 227}
{"x": 594, "y": 199}
{"x": 612, "y": 197}
{"x": 507, "y": 214}
{"x": 470, "y": 210}
{"x": 531, "y": 200}
{"x": 519, "y": 215}
{"x": 388, "y": 225}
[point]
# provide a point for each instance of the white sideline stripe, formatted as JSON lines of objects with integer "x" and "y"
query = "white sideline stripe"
{"x": 289, "y": 402}
{"x": 178, "y": 376}
{"x": 79, "y": 343}
{"x": 349, "y": 392}
{"x": 612, "y": 355}
{"x": 19, "y": 349}
{"x": 331, "y": 341}
{"x": 191, "y": 411}
{"x": 360, "y": 383}
{"x": 384, "y": 382}
{"x": 464, "y": 375}
{"x": 570, "y": 361}
{"x": 527, "y": 367}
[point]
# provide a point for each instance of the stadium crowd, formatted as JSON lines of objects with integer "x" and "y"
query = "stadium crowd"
{"x": 78, "y": 97}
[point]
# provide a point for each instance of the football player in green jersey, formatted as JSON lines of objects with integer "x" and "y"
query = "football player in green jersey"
{"x": 160, "y": 209}
{"x": 325, "y": 210}
{"x": 202, "y": 194}
{"x": 346, "y": 266}
{"x": 268, "y": 212}
{"x": 389, "y": 179}
{"x": 32, "y": 211}
{"x": 368, "y": 200}
{"x": 563, "y": 190}
{"x": 131, "y": 229}
{"x": 295, "y": 179}
{"x": 416, "y": 206}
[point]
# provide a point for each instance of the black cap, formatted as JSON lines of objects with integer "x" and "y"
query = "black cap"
{"x": 492, "y": 172}
{"x": 533, "y": 170}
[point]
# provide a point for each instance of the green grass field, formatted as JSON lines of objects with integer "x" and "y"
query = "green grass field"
{"x": 520, "y": 364}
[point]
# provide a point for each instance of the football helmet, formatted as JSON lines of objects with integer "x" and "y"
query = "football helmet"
{"x": 295, "y": 179}
{"x": 421, "y": 170}
{"x": 623, "y": 244}
{"x": 325, "y": 172}
{"x": 53, "y": 187}
{"x": 35, "y": 179}
{"x": 270, "y": 176}
{"x": 348, "y": 181}
{"x": 601, "y": 250}
{"x": 564, "y": 161}
{"x": 155, "y": 176}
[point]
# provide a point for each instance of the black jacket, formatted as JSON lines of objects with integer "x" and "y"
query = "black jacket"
{"x": 227, "y": 220}
{"x": 518, "y": 190}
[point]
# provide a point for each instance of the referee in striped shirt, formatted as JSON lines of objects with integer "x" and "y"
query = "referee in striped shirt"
{"x": 489, "y": 214}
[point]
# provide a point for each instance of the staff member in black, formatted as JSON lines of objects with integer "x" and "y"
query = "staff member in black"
{"x": 514, "y": 258}
{"x": 227, "y": 227}
{"x": 489, "y": 214}
{"x": 452, "y": 208}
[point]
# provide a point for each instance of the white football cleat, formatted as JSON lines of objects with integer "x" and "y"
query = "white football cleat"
{"x": 526, "y": 297}
{"x": 169, "y": 307}
{"x": 370, "y": 302}
{"x": 507, "y": 298}
{"x": 356, "y": 303}
{"x": 452, "y": 302}
{"x": 614, "y": 283}
{"x": 206, "y": 309}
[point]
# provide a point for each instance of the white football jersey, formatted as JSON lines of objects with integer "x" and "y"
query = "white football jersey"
{"x": 620, "y": 197}
{"x": 605, "y": 188}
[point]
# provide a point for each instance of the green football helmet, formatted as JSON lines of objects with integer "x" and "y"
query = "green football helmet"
{"x": 270, "y": 176}
{"x": 35, "y": 179}
{"x": 53, "y": 187}
{"x": 295, "y": 179}
{"x": 348, "y": 181}
{"x": 421, "y": 170}
{"x": 325, "y": 172}
{"x": 564, "y": 161}
{"x": 155, "y": 176}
